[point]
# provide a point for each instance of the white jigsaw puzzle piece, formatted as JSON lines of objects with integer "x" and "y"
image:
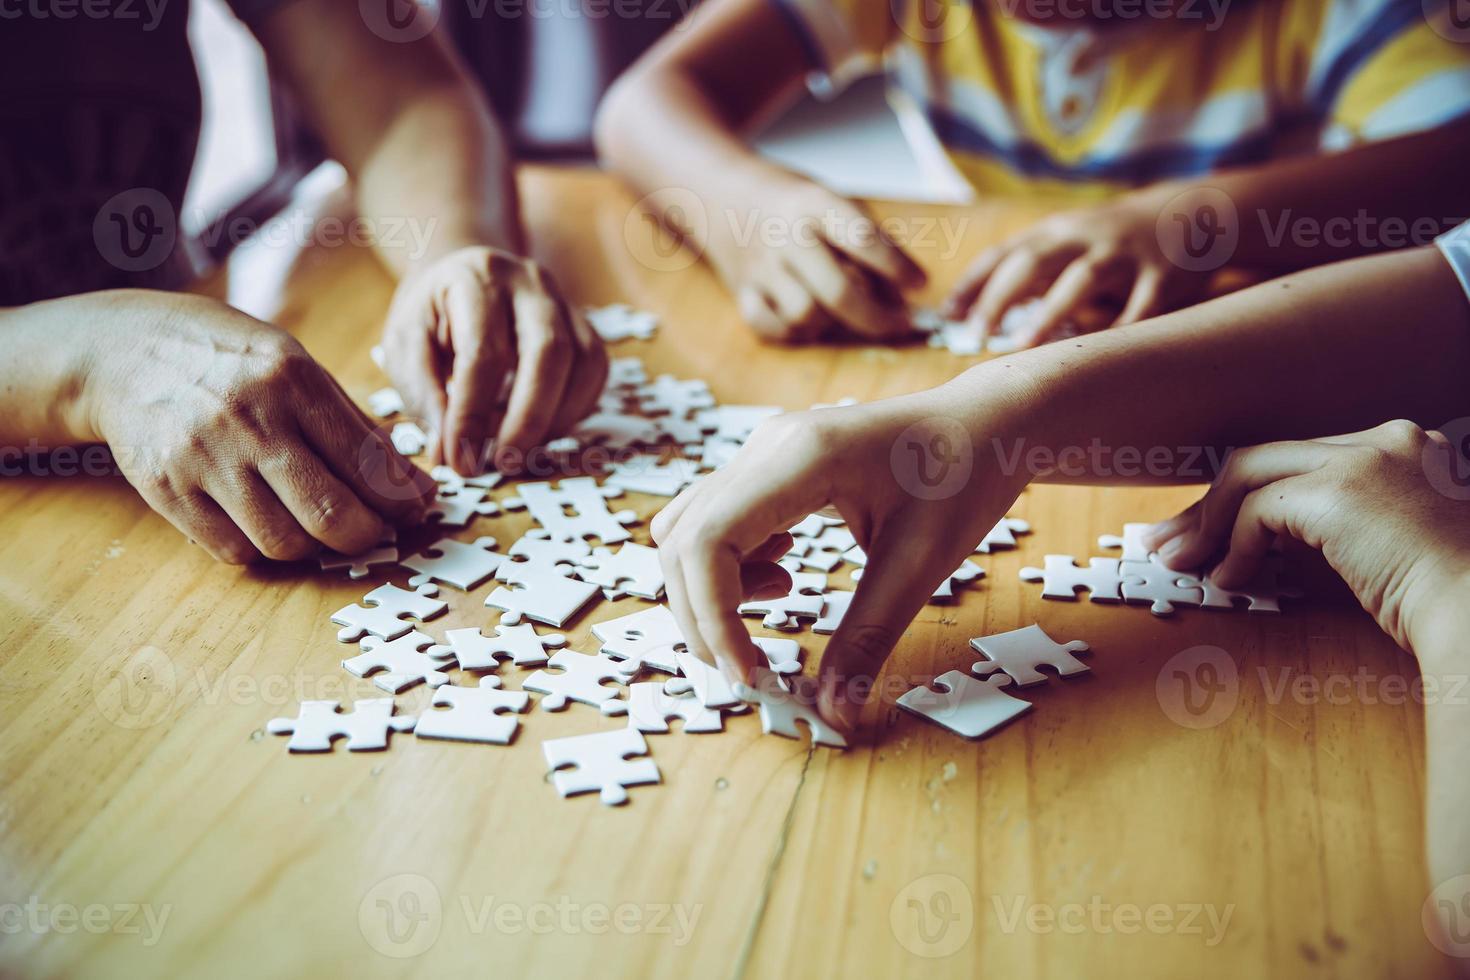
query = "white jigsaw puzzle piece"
{"x": 385, "y": 402}
{"x": 734, "y": 423}
{"x": 1262, "y": 595}
{"x": 476, "y": 714}
{"x": 539, "y": 548}
{"x": 456, "y": 508}
{"x": 587, "y": 502}
{"x": 578, "y": 677}
{"x": 600, "y": 763}
{"x": 804, "y": 600}
{"x": 519, "y": 644}
{"x": 397, "y": 665}
{"x": 668, "y": 395}
{"x": 455, "y": 563}
{"x": 707, "y": 683}
{"x": 644, "y": 474}
{"x": 1020, "y": 652}
{"x": 1159, "y": 586}
{"x": 318, "y": 723}
{"x": 408, "y": 438}
{"x": 449, "y": 479}
{"x": 1062, "y": 578}
{"x": 361, "y": 566}
{"x": 649, "y": 637}
{"x": 534, "y": 593}
{"x": 649, "y": 709}
{"x": 782, "y": 655}
{"x": 1131, "y": 542}
{"x": 384, "y": 615}
{"x": 633, "y": 569}
{"x": 1003, "y": 535}
{"x": 619, "y": 321}
{"x": 781, "y": 709}
{"x": 834, "y": 607}
{"x": 966, "y": 705}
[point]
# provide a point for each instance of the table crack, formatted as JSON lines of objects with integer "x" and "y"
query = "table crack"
{"x": 747, "y": 946}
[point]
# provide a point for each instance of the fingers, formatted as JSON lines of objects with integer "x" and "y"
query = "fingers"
{"x": 202, "y": 521}
{"x": 1079, "y": 283}
{"x": 322, "y": 505}
{"x": 1020, "y": 275}
{"x": 843, "y": 292}
{"x": 479, "y": 338}
{"x": 1146, "y": 299}
{"x": 799, "y": 317}
{"x": 362, "y": 457}
{"x": 1264, "y": 515}
{"x": 888, "y": 597}
{"x": 416, "y": 366}
{"x": 872, "y": 249}
{"x": 255, "y": 510}
{"x": 732, "y": 516}
{"x": 588, "y": 376}
{"x": 963, "y": 297}
{"x": 1190, "y": 543}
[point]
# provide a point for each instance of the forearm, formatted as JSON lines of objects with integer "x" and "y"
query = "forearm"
{"x": 1443, "y": 652}
{"x": 1320, "y": 352}
{"x": 431, "y": 167}
{"x": 680, "y": 118}
{"x": 50, "y": 348}
{"x": 1316, "y": 209}
{"x": 439, "y": 178}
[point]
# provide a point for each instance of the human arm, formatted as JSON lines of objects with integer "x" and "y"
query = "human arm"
{"x": 223, "y": 424}
{"x": 675, "y": 126}
{"x": 1327, "y": 350}
{"x": 435, "y": 185}
{"x": 1272, "y": 218}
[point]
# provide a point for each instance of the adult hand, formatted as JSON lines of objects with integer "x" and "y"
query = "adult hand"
{"x": 231, "y": 431}
{"x": 463, "y": 328}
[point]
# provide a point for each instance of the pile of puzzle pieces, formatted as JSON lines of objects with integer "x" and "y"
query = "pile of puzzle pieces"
{"x": 661, "y": 435}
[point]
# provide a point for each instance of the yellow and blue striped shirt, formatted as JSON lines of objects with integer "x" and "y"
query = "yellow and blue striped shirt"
{"x": 1086, "y": 110}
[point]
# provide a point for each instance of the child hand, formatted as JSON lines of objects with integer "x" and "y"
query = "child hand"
{"x": 1386, "y": 507}
{"x": 809, "y": 262}
{"x": 904, "y": 476}
{"x": 1074, "y": 259}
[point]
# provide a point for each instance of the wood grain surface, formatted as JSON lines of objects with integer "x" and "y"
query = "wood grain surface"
{"x": 151, "y": 827}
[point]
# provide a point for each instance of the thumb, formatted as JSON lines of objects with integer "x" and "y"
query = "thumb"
{"x": 896, "y": 583}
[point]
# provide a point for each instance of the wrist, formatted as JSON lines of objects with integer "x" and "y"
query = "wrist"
{"x": 1438, "y": 627}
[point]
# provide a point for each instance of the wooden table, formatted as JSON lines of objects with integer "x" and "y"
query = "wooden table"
{"x": 1093, "y": 837}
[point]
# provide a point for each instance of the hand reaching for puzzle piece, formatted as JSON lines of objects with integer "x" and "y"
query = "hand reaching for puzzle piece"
{"x": 904, "y": 475}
